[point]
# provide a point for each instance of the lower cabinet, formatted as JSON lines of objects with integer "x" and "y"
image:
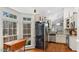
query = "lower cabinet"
{"x": 73, "y": 42}
{"x": 61, "y": 38}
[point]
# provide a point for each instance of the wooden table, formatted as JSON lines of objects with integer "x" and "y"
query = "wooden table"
{"x": 15, "y": 45}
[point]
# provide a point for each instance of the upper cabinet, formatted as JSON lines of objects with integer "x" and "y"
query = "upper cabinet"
{"x": 68, "y": 12}
{"x": 70, "y": 18}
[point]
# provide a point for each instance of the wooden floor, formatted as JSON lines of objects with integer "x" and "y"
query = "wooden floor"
{"x": 53, "y": 47}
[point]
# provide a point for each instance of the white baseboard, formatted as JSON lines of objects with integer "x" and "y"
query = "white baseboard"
{"x": 29, "y": 47}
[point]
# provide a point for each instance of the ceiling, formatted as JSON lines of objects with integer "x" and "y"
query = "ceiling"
{"x": 40, "y": 10}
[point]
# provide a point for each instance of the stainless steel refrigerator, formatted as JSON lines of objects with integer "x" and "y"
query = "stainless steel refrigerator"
{"x": 41, "y": 30}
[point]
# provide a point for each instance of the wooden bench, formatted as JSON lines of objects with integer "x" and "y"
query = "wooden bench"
{"x": 15, "y": 45}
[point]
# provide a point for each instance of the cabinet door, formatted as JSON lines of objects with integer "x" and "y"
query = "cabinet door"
{"x": 61, "y": 38}
{"x": 72, "y": 43}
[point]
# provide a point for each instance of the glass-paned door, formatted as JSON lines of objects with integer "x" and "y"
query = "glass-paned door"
{"x": 27, "y": 33}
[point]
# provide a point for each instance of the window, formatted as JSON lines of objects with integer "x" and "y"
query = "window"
{"x": 9, "y": 31}
{"x": 6, "y": 14}
{"x": 29, "y": 19}
{"x": 26, "y": 19}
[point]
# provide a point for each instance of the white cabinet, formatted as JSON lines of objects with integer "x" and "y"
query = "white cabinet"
{"x": 68, "y": 14}
{"x": 72, "y": 42}
{"x": 61, "y": 38}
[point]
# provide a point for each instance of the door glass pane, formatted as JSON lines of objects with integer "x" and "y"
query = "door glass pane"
{"x": 25, "y": 31}
{"x": 10, "y": 31}
{"x": 24, "y": 26}
{"x": 14, "y": 31}
{"x": 15, "y": 37}
{"x": 10, "y": 25}
{"x": 10, "y": 38}
{"x": 5, "y": 24}
{"x": 14, "y": 25}
{"x": 5, "y": 31}
{"x": 5, "y": 39}
{"x": 25, "y": 36}
{"x": 28, "y": 25}
{"x": 29, "y": 31}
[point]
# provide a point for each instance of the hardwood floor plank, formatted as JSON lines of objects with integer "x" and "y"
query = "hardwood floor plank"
{"x": 53, "y": 47}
